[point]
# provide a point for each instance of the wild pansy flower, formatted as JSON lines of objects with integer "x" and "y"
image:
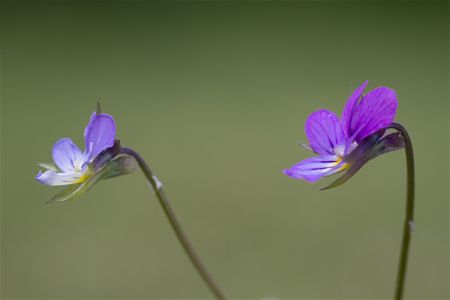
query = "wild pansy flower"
{"x": 80, "y": 170}
{"x": 104, "y": 158}
{"x": 347, "y": 143}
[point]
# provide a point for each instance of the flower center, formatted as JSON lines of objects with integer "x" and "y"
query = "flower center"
{"x": 339, "y": 151}
{"x": 85, "y": 175}
{"x": 79, "y": 164}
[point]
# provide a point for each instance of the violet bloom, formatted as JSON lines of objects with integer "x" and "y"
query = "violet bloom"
{"x": 104, "y": 158}
{"x": 80, "y": 170}
{"x": 347, "y": 143}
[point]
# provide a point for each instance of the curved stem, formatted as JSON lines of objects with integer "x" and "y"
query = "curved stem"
{"x": 164, "y": 201}
{"x": 408, "y": 225}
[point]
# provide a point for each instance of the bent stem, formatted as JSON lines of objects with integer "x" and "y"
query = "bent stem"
{"x": 408, "y": 225}
{"x": 164, "y": 201}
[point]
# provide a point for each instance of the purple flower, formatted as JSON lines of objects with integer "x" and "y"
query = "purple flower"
{"x": 80, "y": 170}
{"x": 72, "y": 163}
{"x": 347, "y": 143}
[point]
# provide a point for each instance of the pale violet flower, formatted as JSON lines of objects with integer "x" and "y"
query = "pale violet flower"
{"x": 80, "y": 170}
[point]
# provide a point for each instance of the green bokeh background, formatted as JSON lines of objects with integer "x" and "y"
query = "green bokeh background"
{"x": 214, "y": 95}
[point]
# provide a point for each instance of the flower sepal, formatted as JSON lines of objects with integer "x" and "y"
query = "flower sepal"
{"x": 105, "y": 156}
{"x": 121, "y": 164}
{"x": 372, "y": 146}
{"x": 49, "y": 166}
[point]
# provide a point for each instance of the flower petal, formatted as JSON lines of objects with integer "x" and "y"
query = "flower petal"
{"x": 314, "y": 168}
{"x": 324, "y": 132}
{"x": 350, "y": 108}
{"x": 376, "y": 111}
{"x": 53, "y": 178}
{"x": 66, "y": 154}
{"x": 365, "y": 115}
{"x": 99, "y": 134}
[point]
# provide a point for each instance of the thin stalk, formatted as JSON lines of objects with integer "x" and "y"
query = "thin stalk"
{"x": 176, "y": 226}
{"x": 408, "y": 225}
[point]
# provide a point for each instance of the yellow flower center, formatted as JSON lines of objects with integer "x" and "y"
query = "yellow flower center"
{"x": 85, "y": 176}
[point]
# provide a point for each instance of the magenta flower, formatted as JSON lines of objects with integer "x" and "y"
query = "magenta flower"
{"x": 347, "y": 143}
{"x": 80, "y": 170}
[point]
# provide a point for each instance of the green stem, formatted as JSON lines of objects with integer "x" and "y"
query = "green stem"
{"x": 408, "y": 225}
{"x": 164, "y": 201}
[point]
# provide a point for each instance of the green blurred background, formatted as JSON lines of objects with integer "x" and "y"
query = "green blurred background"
{"x": 214, "y": 95}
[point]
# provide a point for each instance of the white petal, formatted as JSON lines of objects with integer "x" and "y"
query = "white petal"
{"x": 66, "y": 155}
{"x": 53, "y": 178}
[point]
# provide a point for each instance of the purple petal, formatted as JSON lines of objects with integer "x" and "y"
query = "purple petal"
{"x": 314, "y": 168}
{"x": 54, "y": 178}
{"x": 99, "y": 134}
{"x": 376, "y": 111}
{"x": 66, "y": 154}
{"x": 350, "y": 108}
{"x": 372, "y": 112}
{"x": 324, "y": 132}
